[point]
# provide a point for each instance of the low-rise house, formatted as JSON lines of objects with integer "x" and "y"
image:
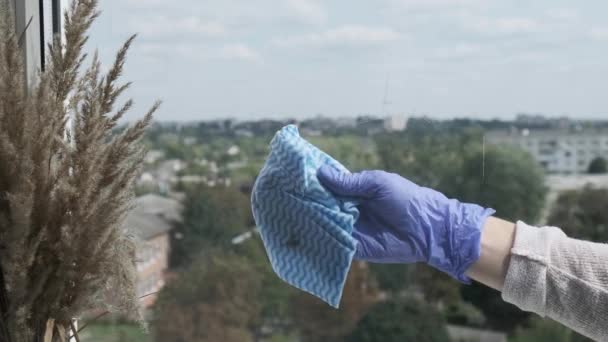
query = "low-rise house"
{"x": 233, "y": 150}
{"x": 395, "y": 123}
{"x": 153, "y": 156}
{"x": 152, "y": 220}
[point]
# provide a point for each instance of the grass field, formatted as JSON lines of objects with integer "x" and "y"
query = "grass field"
{"x": 119, "y": 332}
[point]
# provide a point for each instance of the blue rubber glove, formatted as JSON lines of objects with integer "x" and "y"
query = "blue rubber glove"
{"x": 401, "y": 222}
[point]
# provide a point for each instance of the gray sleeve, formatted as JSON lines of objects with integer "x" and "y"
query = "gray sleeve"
{"x": 560, "y": 278}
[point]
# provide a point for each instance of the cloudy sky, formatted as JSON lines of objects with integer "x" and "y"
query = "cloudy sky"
{"x": 296, "y": 58}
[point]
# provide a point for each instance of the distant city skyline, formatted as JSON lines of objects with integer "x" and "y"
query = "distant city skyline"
{"x": 243, "y": 59}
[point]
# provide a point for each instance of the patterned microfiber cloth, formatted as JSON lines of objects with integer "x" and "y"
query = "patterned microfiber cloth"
{"x": 306, "y": 230}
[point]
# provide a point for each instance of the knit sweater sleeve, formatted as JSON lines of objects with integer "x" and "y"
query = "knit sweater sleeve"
{"x": 560, "y": 278}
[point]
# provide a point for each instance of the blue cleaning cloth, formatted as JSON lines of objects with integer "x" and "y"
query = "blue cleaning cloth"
{"x": 305, "y": 229}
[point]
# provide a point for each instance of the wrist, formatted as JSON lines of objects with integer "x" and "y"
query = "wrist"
{"x": 460, "y": 243}
{"x": 496, "y": 241}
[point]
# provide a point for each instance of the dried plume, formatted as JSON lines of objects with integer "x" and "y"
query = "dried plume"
{"x": 66, "y": 184}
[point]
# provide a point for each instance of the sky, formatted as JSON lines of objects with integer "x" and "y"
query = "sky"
{"x": 251, "y": 59}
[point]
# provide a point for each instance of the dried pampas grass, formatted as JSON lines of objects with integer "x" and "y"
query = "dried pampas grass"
{"x": 66, "y": 184}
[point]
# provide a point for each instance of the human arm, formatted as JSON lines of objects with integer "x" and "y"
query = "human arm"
{"x": 560, "y": 278}
{"x": 541, "y": 270}
{"x": 538, "y": 269}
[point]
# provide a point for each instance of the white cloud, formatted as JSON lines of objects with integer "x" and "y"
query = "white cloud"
{"x": 457, "y": 51}
{"x": 562, "y": 13}
{"x": 239, "y": 52}
{"x": 435, "y": 4}
{"x": 146, "y": 3}
{"x": 599, "y": 33}
{"x": 162, "y": 26}
{"x": 198, "y": 51}
{"x": 308, "y": 10}
{"x": 171, "y": 50}
{"x": 342, "y": 36}
{"x": 513, "y": 25}
{"x": 516, "y": 25}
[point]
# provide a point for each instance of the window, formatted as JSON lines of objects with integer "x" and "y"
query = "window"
{"x": 251, "y": 62}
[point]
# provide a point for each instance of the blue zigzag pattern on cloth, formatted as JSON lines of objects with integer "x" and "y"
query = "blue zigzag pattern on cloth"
{"x": 305, "y": 229}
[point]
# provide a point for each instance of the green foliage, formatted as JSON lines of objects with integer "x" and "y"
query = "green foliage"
{"x": 428, "y": 160}
{"x": 393, "y": 277}
{"x": 598, "y": 165}
{"x": 317, "y": 321}
{"x": 212, "y": 216}
{"x": 284, "y": 338}
{"x": 115, "y": 332}
{"x": 506, "y": 179}
{"x": 275, "y": 295}
{"x": 499, "y": 314}
{"x": 215, "y": 299}
{"x": 401, "y": 320}
{"x": 437, "y": 287}
{"x": 464, "y": 313}
{"x": 546, "y": 330}
{"x": 582, "y": 213}
{"x": 356, "y": 153}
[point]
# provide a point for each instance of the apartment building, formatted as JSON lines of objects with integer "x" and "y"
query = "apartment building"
{"x": 558, "y": 151}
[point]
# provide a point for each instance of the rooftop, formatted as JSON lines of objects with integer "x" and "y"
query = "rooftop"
{"x": 546, "y": 133}
{"x": 153, "y": 215}
{"x": 561, "y": 183}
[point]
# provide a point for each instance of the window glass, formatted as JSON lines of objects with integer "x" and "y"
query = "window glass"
{"x": 465, "y": 97}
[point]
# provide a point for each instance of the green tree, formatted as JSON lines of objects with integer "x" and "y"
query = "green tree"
{"x": 499, "y": 314}
{"x": 393, "y": 277}
{"x": 582, "y": 213}
{"x": 598, "y": 166}
{"x": 317, "y": 321}
{"x": 212, "y": 216}
{"x": 506, "y": 179}
{"x": 275, "y": 295}
{"x": 546, "y": 330}
{"x": 356, "y": 153}
{"x": 437, "y": 287}
{"x": 215, "y": 299}
{"x": 401, "y": 320}
{"x": 434, "y": 161}
{"x": 464, "y": 313}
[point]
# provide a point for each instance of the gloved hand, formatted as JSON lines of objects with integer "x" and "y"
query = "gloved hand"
{"x": 401, "y": 222}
